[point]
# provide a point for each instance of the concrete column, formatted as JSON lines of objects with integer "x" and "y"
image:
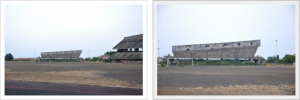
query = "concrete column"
{"x": 192, "y": 62}
{"x": 167, "y": 62}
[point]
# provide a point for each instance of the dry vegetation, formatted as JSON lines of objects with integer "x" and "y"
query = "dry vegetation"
{"x": 232, "y": 90}
{"x": 276, "y": 65}
{"x": 70, "y": 77}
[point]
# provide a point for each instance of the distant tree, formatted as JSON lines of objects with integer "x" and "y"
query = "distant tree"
{"x": 288, "y": 59}
{"x": 9, "y": 57}
{"x": 271, "y": 59}
{"x": 169, "y": 55}
{"x": 95, "y": 58}
{"x": 109, "y": 52}
{"x": 87, "y": 59}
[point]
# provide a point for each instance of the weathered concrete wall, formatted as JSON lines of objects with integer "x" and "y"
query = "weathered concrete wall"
{"x": 127, "y": 55}
{"x": 73, "y": 54}
{"x": 228, "y": 50}
{"x": 215, "y": 45}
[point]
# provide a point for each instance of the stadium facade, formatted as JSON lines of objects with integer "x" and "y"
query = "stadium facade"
{"x": 129, "y": 50}
{"x": 72, "y": 54}
{"x": 239, "y": 50}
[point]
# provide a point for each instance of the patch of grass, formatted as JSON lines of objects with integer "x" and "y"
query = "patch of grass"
{"x": 22, "y": 60}
{"x": 223, "y": 62}
{"x": 162, "y": 65}
{"x": 216, "y": 62}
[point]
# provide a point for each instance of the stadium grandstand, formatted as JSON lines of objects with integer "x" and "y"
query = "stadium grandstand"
{"x": 239, "y": 50}
{"x": 72, "y": 54}
{"x": 129, "y": 50}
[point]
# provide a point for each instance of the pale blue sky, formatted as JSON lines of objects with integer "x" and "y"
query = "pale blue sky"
{"x": 197, "y": 24}
{"x": 44, "y": 28}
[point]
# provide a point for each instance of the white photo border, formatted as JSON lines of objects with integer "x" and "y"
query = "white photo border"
{"x": 155, "y": 3}
{"x": 74, "y": 97}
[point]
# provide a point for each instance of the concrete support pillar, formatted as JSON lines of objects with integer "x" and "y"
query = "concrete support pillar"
{"x": 192, "y": 61}
{"x": 167, "y": 62}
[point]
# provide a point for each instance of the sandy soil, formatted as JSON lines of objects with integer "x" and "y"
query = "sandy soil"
{"x": 232, "y": 90}
{"x": 99, "y": 74}
{"x": 175, "y": 80}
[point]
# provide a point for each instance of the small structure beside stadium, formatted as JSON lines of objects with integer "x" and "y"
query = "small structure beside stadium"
{"x": 129, "y": 50}
{"x": 239, "y": 50}
{"x": 104, "y": 57}
{"x": 72, "y": 54}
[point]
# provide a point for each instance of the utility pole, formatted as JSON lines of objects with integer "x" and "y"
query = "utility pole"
{"x": 158, "y": 48}
{"x": 276, "y": 52}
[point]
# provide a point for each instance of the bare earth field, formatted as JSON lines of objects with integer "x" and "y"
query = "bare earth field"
{"x": 78, "y": 73}
{"x": 226, "y": 80}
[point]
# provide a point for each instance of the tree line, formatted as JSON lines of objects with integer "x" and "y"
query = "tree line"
{"x": 287, "y": 59}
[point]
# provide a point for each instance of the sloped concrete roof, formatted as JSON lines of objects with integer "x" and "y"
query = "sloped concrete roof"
{"x": 135, "y": 41}
{"x": 238, "y": 49}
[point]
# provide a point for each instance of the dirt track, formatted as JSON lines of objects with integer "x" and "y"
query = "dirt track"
{"x": 36, "y": 88}
{"x": 224, "y": 76}
{"x": 104, "y": 74}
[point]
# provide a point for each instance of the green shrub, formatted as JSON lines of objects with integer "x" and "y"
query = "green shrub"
{"x": 109, "y": 52}
{"x": 162, "y": 64}
{"x": 222, "y": 62}
{"x": 106, "y": 60}
{"x": 287, "y": 59}
{"x": 95, "y": 58}
{"x": 182, "y": 63}
{"x": 9, "y": 57}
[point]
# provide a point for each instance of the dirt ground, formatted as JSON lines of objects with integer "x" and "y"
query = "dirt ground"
{"x": 80, "y": 73}
{"x": 226, "y": 80}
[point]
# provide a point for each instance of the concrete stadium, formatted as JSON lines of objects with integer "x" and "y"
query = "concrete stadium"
{"x": 238, "y": 50}
{"x": 129, "y": 50}
{"x": 72, "y": 54}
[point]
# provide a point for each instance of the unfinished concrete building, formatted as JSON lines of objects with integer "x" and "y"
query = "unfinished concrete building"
{"x": 129, "y": 50}
{"x": 239, "y": 50}
{"x": 72, "y": 54}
